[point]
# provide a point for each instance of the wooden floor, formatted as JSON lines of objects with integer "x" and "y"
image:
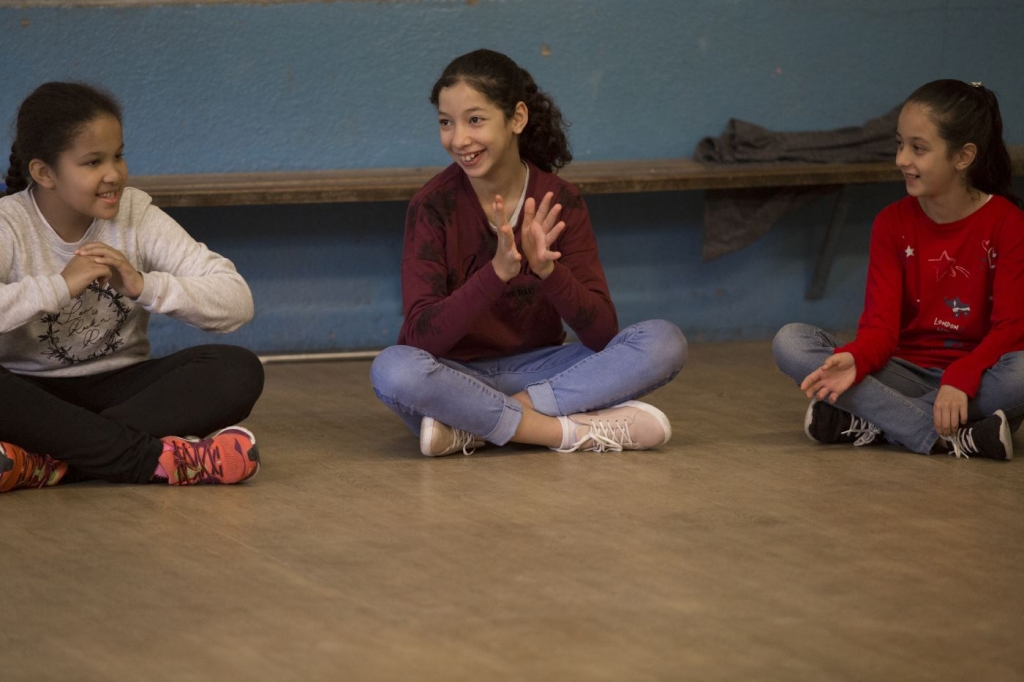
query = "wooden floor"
{"x": 740, "y": 551}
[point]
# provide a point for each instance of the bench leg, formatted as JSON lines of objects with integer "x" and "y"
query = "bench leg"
{"x": 828, "y": 246}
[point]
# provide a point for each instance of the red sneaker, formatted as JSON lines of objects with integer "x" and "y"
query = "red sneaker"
{"x": 20, "y": 469}
{"x": 226, "y": 456}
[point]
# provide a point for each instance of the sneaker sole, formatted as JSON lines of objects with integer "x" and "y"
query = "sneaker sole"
{"x": 427, "y": 435}
{"x": 808, "y": 418}
{"x": 6, "y": 464}
{"x": 1005, "y": 435}
{"x": 654, "y": 412}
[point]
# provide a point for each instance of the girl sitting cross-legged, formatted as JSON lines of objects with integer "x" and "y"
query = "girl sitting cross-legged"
{"x": 499, "y": 252}
{"x": 938, "y": 361}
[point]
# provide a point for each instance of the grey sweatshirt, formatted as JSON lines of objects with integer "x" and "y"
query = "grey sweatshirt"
{"x": 46, "y": 332}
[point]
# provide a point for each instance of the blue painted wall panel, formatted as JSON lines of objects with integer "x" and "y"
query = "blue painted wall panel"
{"x": 344, "y": 84}
{"x": 244, "y": 87}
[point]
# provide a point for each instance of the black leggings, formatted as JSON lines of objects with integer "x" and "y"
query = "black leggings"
{"x": 107, "y": 426}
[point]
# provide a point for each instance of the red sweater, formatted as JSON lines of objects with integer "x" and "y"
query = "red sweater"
{"x": 949, "y": 296}
{"x": 457, "y": 307}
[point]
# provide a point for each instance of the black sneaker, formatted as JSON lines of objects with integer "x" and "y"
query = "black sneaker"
{"x": 826, "y": 423}
{"x": 989, "y": 437}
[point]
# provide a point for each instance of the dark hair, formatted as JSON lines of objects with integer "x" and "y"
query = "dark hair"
{"x": 966, "y": 113}
{"x": 543, "y": 141}
{"x": 48, "y": 121}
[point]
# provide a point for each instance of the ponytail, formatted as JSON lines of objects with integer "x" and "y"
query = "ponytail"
{"x": 543, "y": 142}
{"x": 14, "y": 180}
{"x": 992, "y": 173}
{"x": 969, "y": 114}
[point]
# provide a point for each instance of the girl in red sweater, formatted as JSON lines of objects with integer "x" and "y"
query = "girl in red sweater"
{"x": 499, "y": 253}
{"x": 937, "y": 363}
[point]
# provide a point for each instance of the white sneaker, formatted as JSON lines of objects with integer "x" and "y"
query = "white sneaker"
{"x": 632, "y": 425}
{"x": 437, "y": 439}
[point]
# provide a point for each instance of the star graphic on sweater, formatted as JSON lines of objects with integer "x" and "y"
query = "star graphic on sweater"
{"x": 909, "y": 251}
{"x": 944, "y": 265}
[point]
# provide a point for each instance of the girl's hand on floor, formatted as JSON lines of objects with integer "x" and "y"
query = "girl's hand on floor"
{"x": 831, "y": 380}
{"x": 123, "y": 278}
{"x": 507, "y": 260}
{"x": 949, "y": 410}
{"x": 541, "y": 228}
{"x": 80, "y": 272}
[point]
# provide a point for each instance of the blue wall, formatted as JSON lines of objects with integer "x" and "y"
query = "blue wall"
{"x": 246, "y": 87}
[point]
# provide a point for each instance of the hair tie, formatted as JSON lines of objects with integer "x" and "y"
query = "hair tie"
{"x": 977, "y": 84}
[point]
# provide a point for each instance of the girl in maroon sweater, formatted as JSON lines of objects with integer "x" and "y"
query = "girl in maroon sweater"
{"x": 499, "y": 253}
{"x": 937, "y": 364}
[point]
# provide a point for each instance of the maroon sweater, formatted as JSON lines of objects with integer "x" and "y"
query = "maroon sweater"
{"x": 457, "y": 307}
{"x": 947, "y": 295}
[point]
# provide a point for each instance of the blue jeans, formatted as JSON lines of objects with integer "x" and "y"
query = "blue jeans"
{"x": 898, "y": 398}
{"x": 560, "y": 380}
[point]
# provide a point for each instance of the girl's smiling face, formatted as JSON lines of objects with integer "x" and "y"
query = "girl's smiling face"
{"x": 930, "y": 171}
{"x": 476, "y": 133}
{"x": 89, "y": 177}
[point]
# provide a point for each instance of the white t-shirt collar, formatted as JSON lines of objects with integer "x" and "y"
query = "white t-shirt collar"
{"x": 519, "y": 206}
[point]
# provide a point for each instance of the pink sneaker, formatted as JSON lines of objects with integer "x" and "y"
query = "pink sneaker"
{"x": 226, "y": 456}
{"x": 21, "y": 469}
{"x": 438, "y": 440}
{"x": 632, "y": 425}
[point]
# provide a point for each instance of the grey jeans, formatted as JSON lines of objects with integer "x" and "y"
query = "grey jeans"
{"x": 898, "y": 398}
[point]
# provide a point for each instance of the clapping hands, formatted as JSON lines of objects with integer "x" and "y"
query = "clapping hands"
{"x": 541, "y": 228}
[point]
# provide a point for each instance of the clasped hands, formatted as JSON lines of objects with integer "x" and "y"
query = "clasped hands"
{"x": 98, "y": 262}
{"x": 540, "y": 229}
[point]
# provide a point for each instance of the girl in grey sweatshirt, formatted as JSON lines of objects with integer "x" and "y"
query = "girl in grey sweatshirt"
{"x": 84, "y": 261}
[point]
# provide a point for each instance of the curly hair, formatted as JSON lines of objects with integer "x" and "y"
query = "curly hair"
{"x": 543, "y": 141}
{"x": 47, "y": 123}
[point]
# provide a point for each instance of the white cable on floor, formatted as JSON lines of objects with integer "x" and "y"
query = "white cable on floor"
{"x": 319, "y": 357}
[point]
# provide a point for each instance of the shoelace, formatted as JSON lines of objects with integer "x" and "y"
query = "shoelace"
{"x": 38, "y": 476}
{"x": 605, "y": 436}
{"x": 866, "y": 431}
{"x": 962, "y": 442}
{"x": 41, "y": 476}
{"x": 461, "y": 441}
{"x": 196, "y": 461}
{"x": 31, "y": 474}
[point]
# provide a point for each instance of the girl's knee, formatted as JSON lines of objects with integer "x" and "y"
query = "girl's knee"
{"x": 675, "y": 346}
{"x": 792, "y": 351}
{"x": 790, "y": 334}
{"x": 1012, "y": 363}
{"x": 1002, "y": 385}
{"x": 667, "y": 347}
{"x": 243, "y": 358}
{"x": 394, "y": 370}
{"x": 382, "y": 368}
{"x": 790, "y": 339}
{"x": 244, "y": 369}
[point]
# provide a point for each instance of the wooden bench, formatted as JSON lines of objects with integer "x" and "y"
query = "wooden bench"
{"x": 591, "y": 177}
